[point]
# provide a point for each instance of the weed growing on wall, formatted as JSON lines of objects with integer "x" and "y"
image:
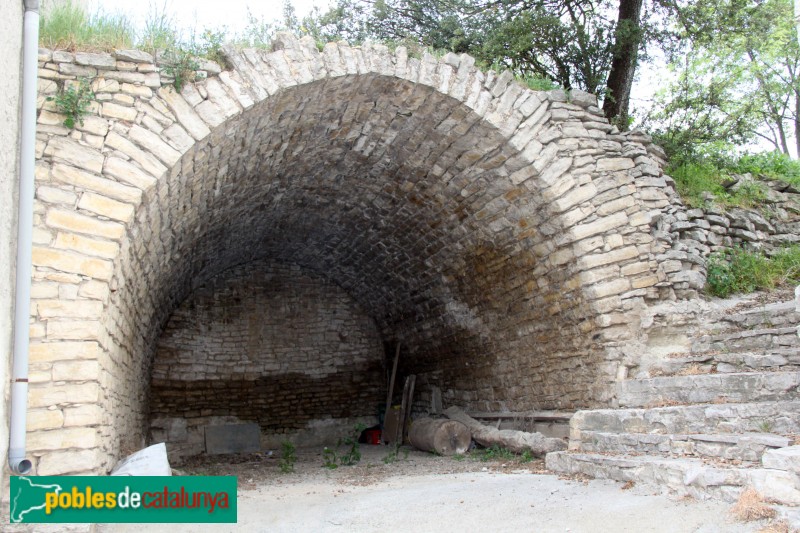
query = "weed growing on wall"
{"x": 74, "y": 101}
{"x": 180, "y": 65}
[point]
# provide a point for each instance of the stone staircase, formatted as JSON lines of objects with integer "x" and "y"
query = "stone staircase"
{"x": 717, "y": 412}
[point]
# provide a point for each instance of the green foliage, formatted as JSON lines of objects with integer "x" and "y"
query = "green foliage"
{"x": 458, "y": 457}
{"x": 394, "y": 454}
{"x": 391, "y": 457}
{"x": 538, "y": 83}
{"x": 74, "y": 101}
{"x": 210, "y": 46}
{"x": 711, "y": 169}
{"x": 495, "y": 453}
{"x": 329, "y": 459}
{"x": 736, "y": 76}
{"x": 353, "y": 454}
{"x": 180, "y": 65}
{"x": 160, "y": 30}
{"x": 526, "y": 457}
{"x": 735, "y": 270}
{"x": 775, "y": 165}
{"x": 288, "y": 457}
{"x": 67, "y": 26}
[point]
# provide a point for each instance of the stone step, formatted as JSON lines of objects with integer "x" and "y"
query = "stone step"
{"x": 748, "y": 340}
{"x": 735, "y": 447}
{"x": 709, "y": 388}
{"x": 712, "y": 362}
{"x": 683, "y": 476}
{"x": 757, "y": 417}
{"x": 775, "y": 315}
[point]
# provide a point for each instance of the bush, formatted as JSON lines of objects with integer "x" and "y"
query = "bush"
{"x": 770, "y": 164}
{"x": 736, "y": 271}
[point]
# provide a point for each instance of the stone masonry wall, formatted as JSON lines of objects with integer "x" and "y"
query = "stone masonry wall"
{"x": 267, "y": 343}
{"x": 506, "y": 237}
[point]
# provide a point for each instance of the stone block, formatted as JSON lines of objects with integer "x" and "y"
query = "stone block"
{"x": 129, "y": 173}
{"x": 69, "y": 309}
{"x": 106, "y": 207}
{"x": 65, "y": 261}
{"x": 71, "y": 221}
{"x": 137, "y": 90}
{"x": 68, "y": 462}
{"x": 69, "y": 69}
{"x": 233, "y": 438}
{"x": 62, "y": 351}
{"x": 44, "y": 419}
{"x": 93, "y": 125}
{"x": 134, "y": 56}
{"x": 53, "y": 195}
{"x": 76, "y": 370}
{"x": 86, "y": 180}
{"x": 74, "y": 330}
{"x": 575, "y": 197}
{"x": 120, "y": 112}
{"x": 68, "y": 150}
{"x": 62, "y": 439}
{"x": 614, "y": 256}
{"x": 598, "y": 226}
{"x": 644, "y": 281}
{"x": 614, "y": 164}
{"x": 44, "y": 289}
{"x": 148, "y": 161}
{"x": 609, "y": 288}
{"x": 184, "y": 113}
{"x": 95, "y": 60}
{"x": 783, "y": 459}
{"x": 83, "y": 415}
{"x": 153, "y": 143}
{"x": 86, "y": 245}
{"x": 97, "y": 290}
{"x": 51, "y": 395}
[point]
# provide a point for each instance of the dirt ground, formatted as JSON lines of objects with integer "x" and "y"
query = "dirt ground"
{"x": 421, "y": 492}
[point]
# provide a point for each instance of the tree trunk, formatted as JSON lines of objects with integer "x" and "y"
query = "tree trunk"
{"x": 445, "y": 437}
{"x": 513, "y": 440}
{"x": 623, "y": 66}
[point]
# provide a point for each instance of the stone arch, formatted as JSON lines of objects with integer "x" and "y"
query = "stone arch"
{"x": 505, "y": 235}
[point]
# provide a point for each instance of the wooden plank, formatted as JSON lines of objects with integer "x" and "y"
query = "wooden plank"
{"x": 408, "y": 401}
{"x": 391, "y": 388}
{"x": 532, "y": 415}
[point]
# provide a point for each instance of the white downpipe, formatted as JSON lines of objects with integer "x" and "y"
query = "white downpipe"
{"x": 19, "y": 369}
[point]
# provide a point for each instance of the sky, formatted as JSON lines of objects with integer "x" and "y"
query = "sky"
{"x": 210, "y": 14}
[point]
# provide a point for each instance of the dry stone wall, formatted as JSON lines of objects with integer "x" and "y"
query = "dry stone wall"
{"x": 267, "y": 343}
{"x": 506, "y": 237}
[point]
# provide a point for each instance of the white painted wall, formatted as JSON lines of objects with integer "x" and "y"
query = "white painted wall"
{"x": 10, "y": 86}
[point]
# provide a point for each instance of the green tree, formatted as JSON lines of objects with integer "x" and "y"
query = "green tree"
{"x": 737, "y": 76}
{"x": 578, "y": 44}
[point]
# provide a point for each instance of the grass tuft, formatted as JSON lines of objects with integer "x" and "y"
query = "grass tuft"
{"x": 751, "y": 506}
{"x": 68, "y": 26}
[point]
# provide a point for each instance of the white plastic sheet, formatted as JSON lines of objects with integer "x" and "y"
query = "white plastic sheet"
{"x": 151, "y": 461}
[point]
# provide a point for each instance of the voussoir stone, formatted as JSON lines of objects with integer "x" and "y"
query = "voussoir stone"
{"x": 134, "y": 56}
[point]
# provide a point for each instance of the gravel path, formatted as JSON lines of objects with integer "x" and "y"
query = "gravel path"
{"x": 424, "y": 493}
